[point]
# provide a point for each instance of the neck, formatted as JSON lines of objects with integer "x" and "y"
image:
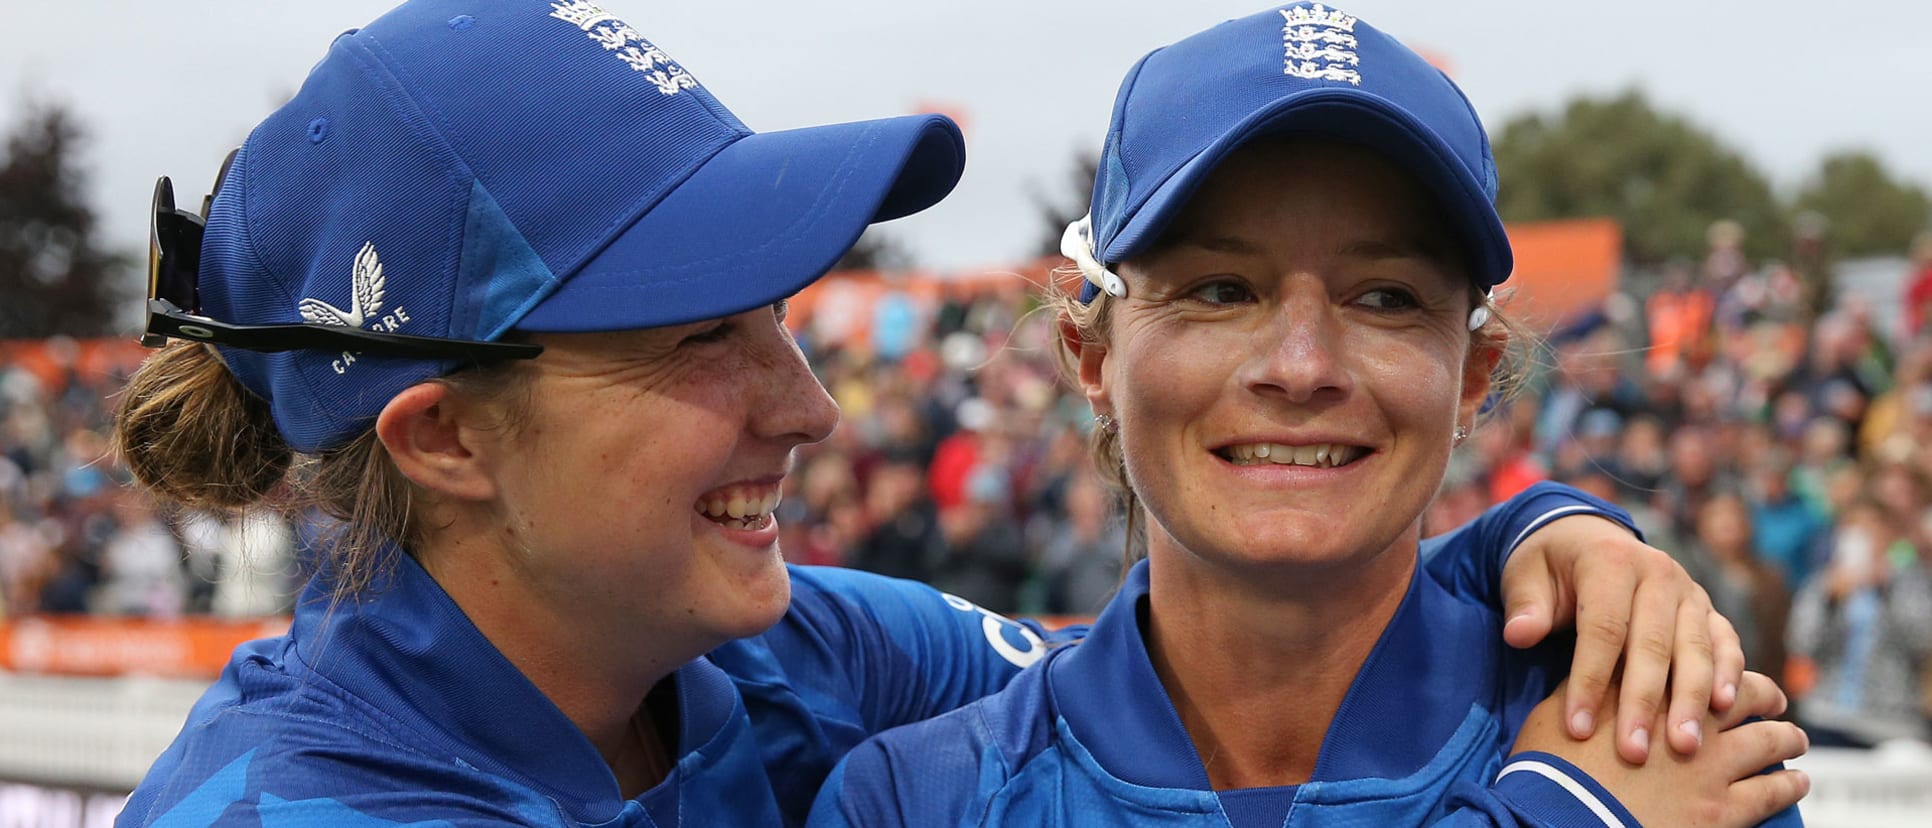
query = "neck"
{"x": 1257, "y": 665}
{"x": 597, "y": 671}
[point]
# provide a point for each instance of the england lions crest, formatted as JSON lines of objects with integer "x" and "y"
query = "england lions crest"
{"x": 1319, "y": 44}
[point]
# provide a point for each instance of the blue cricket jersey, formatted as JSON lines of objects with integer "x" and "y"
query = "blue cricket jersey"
{"x": 1089, "y": 738}
{"x": 394, "y": 709}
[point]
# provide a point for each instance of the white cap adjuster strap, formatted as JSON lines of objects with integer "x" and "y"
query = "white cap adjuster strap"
{"x": 1077, "y": 244}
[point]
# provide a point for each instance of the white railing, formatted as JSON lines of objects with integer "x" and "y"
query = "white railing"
{"x": 88, "y": 732}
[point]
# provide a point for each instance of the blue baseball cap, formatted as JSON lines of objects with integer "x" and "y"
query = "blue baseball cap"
{"x": 1301, "y": 69}
{"x": 460, "y": 169}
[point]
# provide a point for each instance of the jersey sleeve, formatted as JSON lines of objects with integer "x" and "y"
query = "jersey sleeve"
{"x": 1469, "y": 559}
{"x": 900, "y": 651}
{"x": 1536, "y": 788}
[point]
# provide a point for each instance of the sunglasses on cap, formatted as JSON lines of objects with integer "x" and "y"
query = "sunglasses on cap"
{"x": 174, "y": 302}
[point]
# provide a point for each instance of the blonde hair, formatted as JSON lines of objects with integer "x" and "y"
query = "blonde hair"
{"x": 194, "y": 436}
{"x": 1092, "y": 322}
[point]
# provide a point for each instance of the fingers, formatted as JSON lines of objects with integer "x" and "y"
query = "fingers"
{"x": 1727, "y": 655}
{"x": 1757, "y": 695}
{"x": 1647, "y": 662}
{"x": 1529, "y": 595}
{"x": 1603, "y": 608}
{"x": 1758, "y": 798}
{"x": 1691, "y": 680}
{"x": 1754, "y": 746}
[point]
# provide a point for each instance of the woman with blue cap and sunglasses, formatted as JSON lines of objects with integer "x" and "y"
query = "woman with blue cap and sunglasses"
{"x": 502, "y": 290}
{"x": 1284, "y": 329}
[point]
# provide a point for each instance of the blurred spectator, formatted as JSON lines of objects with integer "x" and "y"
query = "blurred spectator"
{"x": 1918, "y": 291}
{"x": 1084, "y": 559}
{"x": 1866, "y": 624}
{"x": 903, "y": 536}
{"x": 1679, "y": 316}
{"x": 141, "y": 566}
{"x": 984, "y": 558}
{"x": 242, "y": 565}
{"x": 1749, "y": 591}
{"x": 1788, "y": 534}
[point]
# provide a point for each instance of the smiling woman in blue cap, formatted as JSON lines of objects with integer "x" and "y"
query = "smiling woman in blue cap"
{"x": 1284, "y": 329}
{"x": 502, "y": 290}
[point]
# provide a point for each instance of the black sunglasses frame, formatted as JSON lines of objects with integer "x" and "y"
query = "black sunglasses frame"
{"x": 174, "y": 302}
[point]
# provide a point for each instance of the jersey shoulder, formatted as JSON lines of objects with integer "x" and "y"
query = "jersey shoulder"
{"x": 948, "y": 768}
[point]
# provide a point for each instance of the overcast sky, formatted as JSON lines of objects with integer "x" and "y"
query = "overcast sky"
{"x": 168, "y": 87}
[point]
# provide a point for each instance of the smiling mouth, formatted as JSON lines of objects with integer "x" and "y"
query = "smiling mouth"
{"x": 739, "y": 507}
{"x": 1320, "y": 455}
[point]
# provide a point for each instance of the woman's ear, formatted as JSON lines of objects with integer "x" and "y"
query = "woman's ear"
{"x": 1089, "y": 363}
{"x": 1486, "y": 348}
{"x": 422, "y": 430}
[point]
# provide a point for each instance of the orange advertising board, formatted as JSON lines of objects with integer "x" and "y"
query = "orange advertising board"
{"x": 1562, "y": 268}
{"x": 88, "y": 646}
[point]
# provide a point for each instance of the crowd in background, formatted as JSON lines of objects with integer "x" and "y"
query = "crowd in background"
{"x": 1771, "y": 431}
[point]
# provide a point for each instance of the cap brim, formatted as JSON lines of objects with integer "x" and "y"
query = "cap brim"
{"x": 766, "y": 216}
{"x": 1354, "y": 117}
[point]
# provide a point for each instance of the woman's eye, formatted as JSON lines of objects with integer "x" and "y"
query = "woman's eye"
{"x": 1389, "y": 299}
{"x": 715, "y": 333}
{"x": 1222, "y": 293}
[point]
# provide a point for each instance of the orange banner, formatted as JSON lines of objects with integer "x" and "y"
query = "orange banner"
{"x": 84, "y": 646}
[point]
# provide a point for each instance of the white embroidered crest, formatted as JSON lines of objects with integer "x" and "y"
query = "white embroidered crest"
{"x": 365, "y": 294}
{"x": 1319, "y": 44}
{"x": 616, "y": 37}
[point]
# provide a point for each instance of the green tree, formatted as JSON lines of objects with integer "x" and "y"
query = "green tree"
{"x": 1664, "y": 178}
{"x": 1870, "y": 212}
{"x": 1057, "y": 210}
{"x": 876, "y": 250}
{"x": 54, "y": 277}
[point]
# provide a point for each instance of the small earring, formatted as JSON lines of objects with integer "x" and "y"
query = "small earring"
{"x": 1105, "y": 423}
{"x": 1462, "y": 433}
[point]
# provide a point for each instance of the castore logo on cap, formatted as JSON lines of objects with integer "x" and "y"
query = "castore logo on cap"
{"x": 365, "y": 302}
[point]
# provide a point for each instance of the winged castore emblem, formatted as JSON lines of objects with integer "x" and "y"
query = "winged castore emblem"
{"x": 365, "y": 294}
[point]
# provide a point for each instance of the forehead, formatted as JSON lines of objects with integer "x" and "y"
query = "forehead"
{"x": 1299, "y": 187}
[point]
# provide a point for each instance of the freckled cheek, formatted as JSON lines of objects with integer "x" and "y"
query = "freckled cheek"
{"x": 1416, "y": 384}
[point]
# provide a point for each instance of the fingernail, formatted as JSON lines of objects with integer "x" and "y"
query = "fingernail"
{"x": 1692, "y": 729}
{"x": 1582, "y": 723}
{"x": 1728, "y": 692}
{"x": 1641, "y": 738}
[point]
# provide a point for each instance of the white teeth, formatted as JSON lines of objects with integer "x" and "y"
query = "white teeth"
{"x": 740, "y": 506}
{"x": 1323, "y": 455}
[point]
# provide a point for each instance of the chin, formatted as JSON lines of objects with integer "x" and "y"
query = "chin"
{"x": 760, "y": 602}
